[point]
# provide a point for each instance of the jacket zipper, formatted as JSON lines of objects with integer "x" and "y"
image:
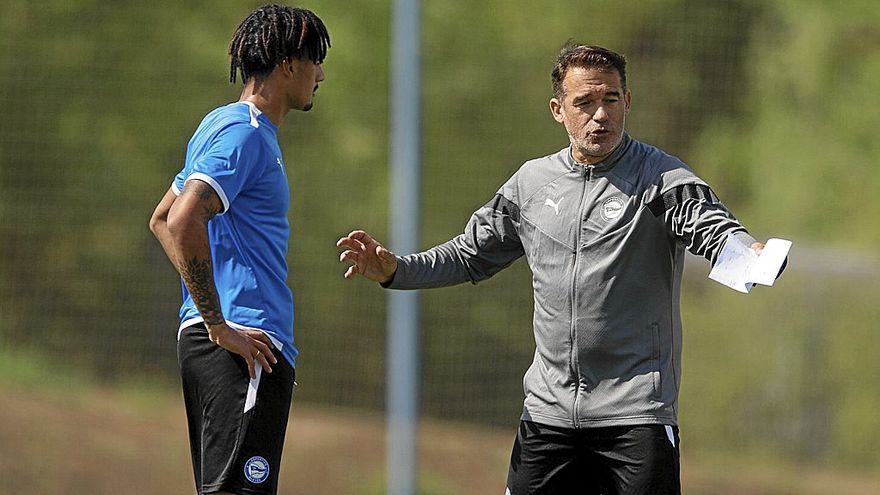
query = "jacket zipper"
{"x": 588, "y": 176}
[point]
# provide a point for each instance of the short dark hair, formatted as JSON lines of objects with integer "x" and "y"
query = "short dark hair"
{"x": 587, "y": 56}
{"x": 273, "y": 33}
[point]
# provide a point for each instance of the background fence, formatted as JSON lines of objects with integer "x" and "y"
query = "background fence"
{"x": 773, "y": 103}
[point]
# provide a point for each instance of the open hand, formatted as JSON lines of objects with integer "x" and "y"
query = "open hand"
{"x": 367, "y": 257}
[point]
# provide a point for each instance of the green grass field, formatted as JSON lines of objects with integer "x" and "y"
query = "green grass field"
{"x": 62, "y": 434}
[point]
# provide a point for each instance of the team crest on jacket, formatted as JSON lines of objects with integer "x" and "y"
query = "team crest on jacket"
{"x": 611, "y": 208}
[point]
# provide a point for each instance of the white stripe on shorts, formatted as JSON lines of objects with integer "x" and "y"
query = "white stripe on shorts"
{"x": 253, "y": 386}
{"x": 670, "y": 434}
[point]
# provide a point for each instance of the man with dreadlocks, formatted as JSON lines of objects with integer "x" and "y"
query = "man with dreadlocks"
{"x": 223, "y": 224}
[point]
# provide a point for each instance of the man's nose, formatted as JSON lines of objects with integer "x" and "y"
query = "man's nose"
{"x": 319, "y": 76}
{"x": 600, "y": 115}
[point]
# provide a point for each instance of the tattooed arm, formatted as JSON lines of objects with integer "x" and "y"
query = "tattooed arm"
{"x": 185, "y": 239}
{"x": 188, "y": 235}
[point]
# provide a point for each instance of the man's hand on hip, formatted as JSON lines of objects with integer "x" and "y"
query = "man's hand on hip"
{"x": 253, "y": 345}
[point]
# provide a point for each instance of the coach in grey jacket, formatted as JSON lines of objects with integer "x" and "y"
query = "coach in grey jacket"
{"x": 603, "y": 224}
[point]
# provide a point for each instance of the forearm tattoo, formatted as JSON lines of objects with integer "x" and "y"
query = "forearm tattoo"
{"x": 198, "y": 275}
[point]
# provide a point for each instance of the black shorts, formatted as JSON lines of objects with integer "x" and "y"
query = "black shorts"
{"x": 236, "y": 425}
{"x": 629, "y": 460}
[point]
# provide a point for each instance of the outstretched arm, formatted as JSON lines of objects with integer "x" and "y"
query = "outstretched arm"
{"x": 695, "y": 215}
{"x": 367, "y": 256}
{"x": 489, "y": 244}
{"x": 183, "y": 233}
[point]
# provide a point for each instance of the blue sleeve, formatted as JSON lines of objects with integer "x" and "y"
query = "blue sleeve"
{"x": 177, "y": 183}
{"x": 230, "y": 164}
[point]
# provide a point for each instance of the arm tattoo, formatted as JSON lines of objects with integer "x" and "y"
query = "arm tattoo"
{"x": 208, "y": 212}
{"x": 198, "y": 275}
{"x": 197, "y": 271}
{"x": 204, "y": 192}
{"x": 207, "y": 198}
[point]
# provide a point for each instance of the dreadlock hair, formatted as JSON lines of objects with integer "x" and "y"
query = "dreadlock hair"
{"x": 586, "y": 56}
{"x": 273, "y": 33}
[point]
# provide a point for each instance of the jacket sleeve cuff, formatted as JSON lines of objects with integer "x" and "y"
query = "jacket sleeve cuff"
{"x": 390, "y": 284}
{"x": 745, "y": 238}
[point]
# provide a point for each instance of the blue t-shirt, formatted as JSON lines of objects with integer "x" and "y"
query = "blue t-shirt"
{"x": 235, "y": 150}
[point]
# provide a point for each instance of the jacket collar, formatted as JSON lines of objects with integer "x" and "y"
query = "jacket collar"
{"x": 605, "y": 165}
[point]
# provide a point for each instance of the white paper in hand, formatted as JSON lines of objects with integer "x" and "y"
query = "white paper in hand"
{"x": 739, "y": 268}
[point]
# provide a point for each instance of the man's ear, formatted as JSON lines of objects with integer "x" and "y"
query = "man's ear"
{"x": 287, "y": 67}
{"x": 627, "y": 98}
{"x": 556, "y": 110}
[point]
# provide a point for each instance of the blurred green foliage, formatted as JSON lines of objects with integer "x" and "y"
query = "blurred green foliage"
{"x": 771, "y": 102}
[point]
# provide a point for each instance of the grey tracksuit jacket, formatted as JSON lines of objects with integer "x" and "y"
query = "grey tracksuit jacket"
{"x": 605, "y": 244}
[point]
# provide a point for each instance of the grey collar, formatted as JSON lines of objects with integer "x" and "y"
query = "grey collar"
{"x": 605, "y": 165}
